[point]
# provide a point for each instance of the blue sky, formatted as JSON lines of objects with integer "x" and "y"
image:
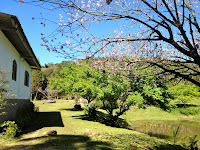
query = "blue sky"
{"x": 32, "y": 28}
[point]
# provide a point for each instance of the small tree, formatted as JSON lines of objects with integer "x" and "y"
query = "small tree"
{"x": 3, "y": 90}
{"x": 86, "y": 89}
{"x": 36, "y": 82}
{"x": 87, "y": 84}
{"x": 115, "y": 97}
{"x": 48, "y": 93}
{"x": 184, "y": 92}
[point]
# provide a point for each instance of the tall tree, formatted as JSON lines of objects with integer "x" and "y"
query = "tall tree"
{"x": 165, "y": 32}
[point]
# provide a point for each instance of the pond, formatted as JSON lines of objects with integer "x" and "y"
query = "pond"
{"x": 164, "y": 129}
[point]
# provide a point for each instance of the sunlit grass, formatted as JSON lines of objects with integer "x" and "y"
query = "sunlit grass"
{"x": 71, "y": 136}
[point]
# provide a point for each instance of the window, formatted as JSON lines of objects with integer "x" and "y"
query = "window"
{"x": 14, "y": 70}
{"x": 26, "y": 79}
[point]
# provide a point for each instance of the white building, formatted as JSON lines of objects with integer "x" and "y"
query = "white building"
{"x": 17, "y": 58}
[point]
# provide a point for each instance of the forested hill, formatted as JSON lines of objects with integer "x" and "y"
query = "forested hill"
{"x": 70, "y": 78}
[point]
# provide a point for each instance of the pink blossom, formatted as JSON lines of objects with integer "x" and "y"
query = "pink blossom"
{"x": 21, "y": 1}
{"x": 97, "y": 4}
{"x": 68, "y": 42}
{"x": 115, "y": 31}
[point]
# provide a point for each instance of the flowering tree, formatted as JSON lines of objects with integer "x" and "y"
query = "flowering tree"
{"x": 160, "y": 33}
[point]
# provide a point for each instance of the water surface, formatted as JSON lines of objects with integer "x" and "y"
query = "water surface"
{"x": 164, "y": 129}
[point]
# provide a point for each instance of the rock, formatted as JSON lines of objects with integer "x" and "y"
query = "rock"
{"x": 77, "y": 106}
{"x": 52, "y": 133}
{"x": 95, "y": 134}
{"x": 83, "y": 101}
{"x": 90, "y": 134}
{"x": 87, "y": 132}
{"x": 131, "y": 147}
{"x": 49, "y": 101}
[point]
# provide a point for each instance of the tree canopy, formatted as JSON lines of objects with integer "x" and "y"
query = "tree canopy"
{"x": 165, "y": 32}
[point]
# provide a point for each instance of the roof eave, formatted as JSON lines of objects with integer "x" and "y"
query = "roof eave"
{"x": 14, "y": 29}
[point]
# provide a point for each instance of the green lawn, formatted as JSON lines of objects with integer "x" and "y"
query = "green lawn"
{"x": 71, "y": 128}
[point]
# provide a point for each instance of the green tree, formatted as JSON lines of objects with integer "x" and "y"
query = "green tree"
{"x": 75, "y": 79}
{"x": 185, "y": 92}
{"x": 87, "y": 84}
{"x": 65, "y": 80}
{"x": 154, "y": 91}
{"x": 3, "y": 89}
{"x": 36, "y": 82}
{"x": 114, "y": 97}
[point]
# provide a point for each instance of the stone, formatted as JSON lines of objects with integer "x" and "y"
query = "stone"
{"x": 52, "y": 133}
{"x": 77, "y": 106}
{"x": 49, "y": 101}
{"x": 95, "y": 133}
{"x": 131, "y": 147}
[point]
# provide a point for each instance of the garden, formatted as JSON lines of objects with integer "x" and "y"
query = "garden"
{"x": 86, "y": 108}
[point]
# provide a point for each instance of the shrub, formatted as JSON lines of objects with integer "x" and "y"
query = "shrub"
{"x": 33, "y": 108}
{"x": 10, "y": 130}
{"x": 91, "y": 110}
{"x": 26, "y": 115}
{"x": 189, "y": 111}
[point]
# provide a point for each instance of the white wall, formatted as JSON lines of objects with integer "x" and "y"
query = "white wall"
{"x": 8, "y": 53}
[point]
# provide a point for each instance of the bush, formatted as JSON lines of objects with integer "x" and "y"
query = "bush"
{"x": 10, "y": 130}
{"x": 33, "y": 108}
{"x": 91, "y": 111}
{"x": 189, "y": 111}
{"x": 26, "y": 115}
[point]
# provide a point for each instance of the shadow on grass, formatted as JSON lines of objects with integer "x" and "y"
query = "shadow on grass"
{"x": 169, "y": 147}
{"x": 160, "y": 136}
{"x": 103, "y": 118}
{"x": 45, "y": 119}
{"x": 73, "y": 109}
{"x": 61, "y": 142}
{"x": 186, "y": 105}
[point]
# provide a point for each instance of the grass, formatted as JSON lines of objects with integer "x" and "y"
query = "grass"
{"x": 71, "y": 129}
